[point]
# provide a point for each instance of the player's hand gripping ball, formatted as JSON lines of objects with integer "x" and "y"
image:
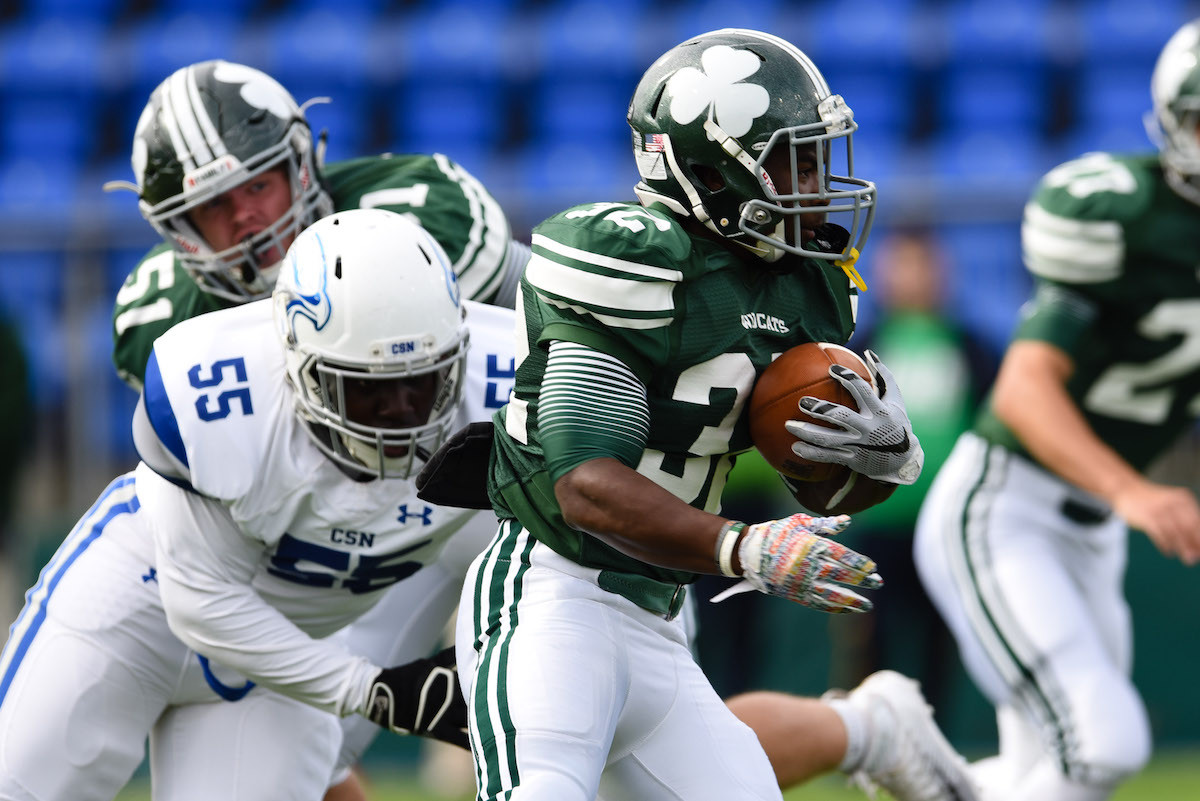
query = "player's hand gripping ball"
{"x": 798, "y": 372}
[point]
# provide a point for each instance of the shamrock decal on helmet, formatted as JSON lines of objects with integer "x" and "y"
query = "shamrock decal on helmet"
{"x": 258, "y": 89}
{"x": 718, "y": 89}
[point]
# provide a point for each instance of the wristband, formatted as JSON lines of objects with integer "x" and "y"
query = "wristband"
{"x": 727, "y": 539}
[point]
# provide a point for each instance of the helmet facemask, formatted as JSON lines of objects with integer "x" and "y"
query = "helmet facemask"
{"x": 322, "y": 399}
{"x": 369, "y": 313}
{"x": 774, "y": 218}
{"x": 246, "y": 271}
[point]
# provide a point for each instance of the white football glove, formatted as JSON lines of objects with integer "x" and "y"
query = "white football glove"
{"x": 791, "y": 559}
{"x": 876, "y": 441}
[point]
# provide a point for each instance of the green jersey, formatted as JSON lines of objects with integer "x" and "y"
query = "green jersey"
{"x": 1116, "y": 254}
{"x": 443, "y": 197}
{"x": 696, "y": 322}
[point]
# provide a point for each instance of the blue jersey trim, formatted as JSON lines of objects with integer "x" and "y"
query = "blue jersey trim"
{"x": 224, "y": 690}
{"x": 54, "y": 571}
{"x": 160, "y": 413}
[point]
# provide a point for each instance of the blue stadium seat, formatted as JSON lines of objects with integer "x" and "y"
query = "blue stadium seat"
{"x": 590, "y": 112}
{"x": 1112, "y": 103}
{"x": 345, "y": 117}
{"x": 1002, "y": 160}
{"x": 981, "y": 32}
{"x": 449, "y": 118}
{"x": 51, "y": 56}
{"x": 1112, "y": 33}
{"x": 445, "y": 42}
{"x": 47, "y": 128}
{"x": 686, "y": 20}
{"x": 589, "y": 39}
{"x": 38, "y": 192}
{"x": 225, "y": 8}
{"x": 988, "y": 283}
{"x": 319, "y": 48}
{"x": 556, "y": 175}
{"x": 885, "y": 34}
{"x": 100, "y": 11}
{"x": 882, "y": 100}
{"x": 992, "y": 99}
{"x": 155, "y": 47}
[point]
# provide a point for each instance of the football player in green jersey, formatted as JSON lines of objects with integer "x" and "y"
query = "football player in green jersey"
{"x": 1102, "y": 374}
{"x": 228, "y": 173}
{"x": 645, "y": 328}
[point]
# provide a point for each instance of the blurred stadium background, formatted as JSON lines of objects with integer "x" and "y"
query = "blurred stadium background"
{"x": 963, "y": 104}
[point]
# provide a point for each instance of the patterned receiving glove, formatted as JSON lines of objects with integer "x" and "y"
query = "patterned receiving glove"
{"x": 791, "y": 559}
{"x": 421, "y": 698}
{"x": 877, "y": 440}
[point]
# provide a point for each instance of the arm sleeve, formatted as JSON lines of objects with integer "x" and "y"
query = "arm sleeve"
{"x": 591, "y": 406}
{"x": 205, "y": 568}
{"x": 1059, "y": 315}
{"x": 514, "y": 267}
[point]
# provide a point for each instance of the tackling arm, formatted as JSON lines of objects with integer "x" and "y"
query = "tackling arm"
{"x": 205, "y": 568}
{"x": 1030, "y": 397}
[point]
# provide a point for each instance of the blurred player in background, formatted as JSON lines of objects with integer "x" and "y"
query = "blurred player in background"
{"x": 608, "y": 464}
{"x": 208, "y": 609}
{"x": 1022, "y": 539}
{"x": 228, "y": 172}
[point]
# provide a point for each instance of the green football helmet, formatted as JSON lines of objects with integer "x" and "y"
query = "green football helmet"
{"x": 727, "y": 101}
{"x": 1174, "y": 123}
{"x": 206, "y": 129}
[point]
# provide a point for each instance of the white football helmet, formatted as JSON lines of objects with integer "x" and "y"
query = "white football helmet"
{"x": 369, "y": 311}
{"x": 1174, "y": 124}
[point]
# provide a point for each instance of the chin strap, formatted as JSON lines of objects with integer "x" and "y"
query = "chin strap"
{"x": 847, "y": 266}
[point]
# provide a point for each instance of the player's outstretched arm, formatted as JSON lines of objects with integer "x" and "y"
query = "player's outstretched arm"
{"x": 1030, "y": 397}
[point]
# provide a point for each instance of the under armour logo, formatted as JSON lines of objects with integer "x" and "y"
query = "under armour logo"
{"x": 405, "y": 514}
{"x": 151, "y": 576}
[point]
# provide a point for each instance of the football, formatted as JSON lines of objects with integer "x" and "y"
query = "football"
{"x": 843, "y": 493}
{"x": 797, "y": 372}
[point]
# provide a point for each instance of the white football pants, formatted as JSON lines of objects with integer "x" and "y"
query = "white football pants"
{"x": 1027, "y": 572}
{"x": 575, "y": 691}
{"x": 91, "y": 670}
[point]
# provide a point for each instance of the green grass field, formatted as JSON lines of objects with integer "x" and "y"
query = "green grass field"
{"x": 1170, "y": 777}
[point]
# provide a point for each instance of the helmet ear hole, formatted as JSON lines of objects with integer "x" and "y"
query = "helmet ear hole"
{"x": 709, "y": 176}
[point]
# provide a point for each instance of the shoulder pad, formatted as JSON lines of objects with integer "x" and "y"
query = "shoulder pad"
{"x": 213, "y": 393}
{"x": 1074, "y": 226}
{"x": 625, "y": 231}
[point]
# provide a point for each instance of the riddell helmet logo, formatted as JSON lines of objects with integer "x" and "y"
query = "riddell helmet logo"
{"x": 211, "y": 173}
{"x": 187, "y": 246}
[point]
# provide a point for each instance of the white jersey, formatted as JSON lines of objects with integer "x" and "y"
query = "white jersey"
{"x": 262, "y": 544}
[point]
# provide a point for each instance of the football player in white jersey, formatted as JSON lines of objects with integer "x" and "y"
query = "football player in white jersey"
{"x": 194, "y": 603}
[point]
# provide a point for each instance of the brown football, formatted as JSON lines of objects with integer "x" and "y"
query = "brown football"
{"x": 797, "y": 372}
{"x": 843, "y": 493}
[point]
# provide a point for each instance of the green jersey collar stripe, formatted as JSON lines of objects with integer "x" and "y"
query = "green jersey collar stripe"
{"x": 620, "y": 265}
